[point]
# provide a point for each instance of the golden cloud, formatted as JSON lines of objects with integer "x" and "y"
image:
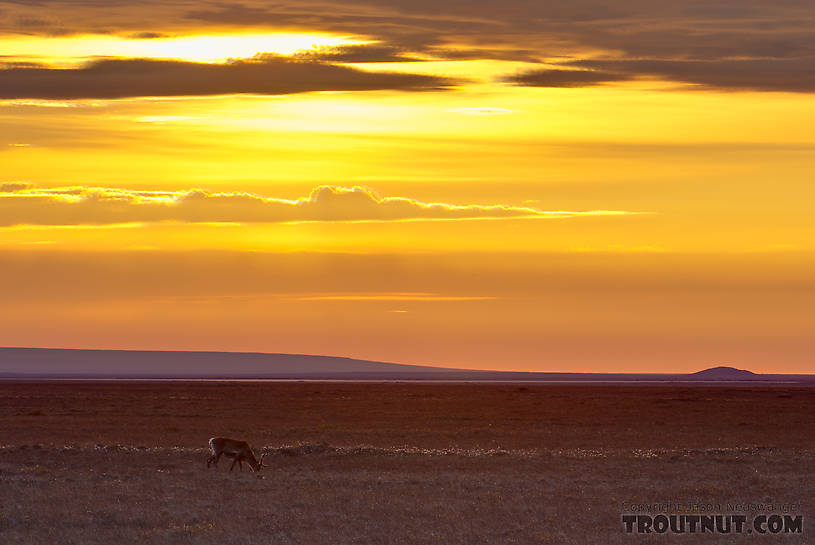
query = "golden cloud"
{"x": 24, "y": 204}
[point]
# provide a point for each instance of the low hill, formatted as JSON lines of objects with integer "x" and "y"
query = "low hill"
{"x": 725, "y": 373}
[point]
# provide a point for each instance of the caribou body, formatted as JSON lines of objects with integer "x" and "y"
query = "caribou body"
{"x": 241, "y": 451}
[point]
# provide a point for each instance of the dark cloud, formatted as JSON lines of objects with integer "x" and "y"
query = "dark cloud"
{"x": 473, "y": 53}
{"x": 783, "y": 75}
{"x": 272, "y": 75}
{"x": 743, "y": 38}
{"x": 147, "y": 35}
{"x": 11, "y": 187}
{"x": 565, "y": 78}
{"x": 631, "y": 25}
{"x": 732, "y": 44}
{"x": 791, "y": 75}
{"x": 704, "y": 40}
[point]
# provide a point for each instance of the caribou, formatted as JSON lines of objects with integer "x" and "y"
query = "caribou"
{"x": 241, "y": 451}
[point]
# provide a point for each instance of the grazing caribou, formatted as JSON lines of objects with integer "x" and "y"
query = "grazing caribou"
{"x": 239, "y": 450}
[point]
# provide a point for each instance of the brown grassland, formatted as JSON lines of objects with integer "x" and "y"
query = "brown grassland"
{"x": 393, "y": 463}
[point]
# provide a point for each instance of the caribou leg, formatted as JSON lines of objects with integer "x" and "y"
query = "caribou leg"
{"x": 214, "y": 459}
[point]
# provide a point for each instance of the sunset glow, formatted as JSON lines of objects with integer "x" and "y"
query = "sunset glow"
{"x": 72, "y": 50}
{"x": 535, "y": 188}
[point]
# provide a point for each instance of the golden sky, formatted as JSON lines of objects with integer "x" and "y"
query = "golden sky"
{"x": 519, "y": 185}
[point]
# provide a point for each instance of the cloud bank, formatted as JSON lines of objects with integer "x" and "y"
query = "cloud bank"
{"x": 728, "y": 44}
{"x": 555, "y": 77}
{"x": 264, "y": 74}
{"x": 22, "y": 204}
{"x": 789, "y": 75}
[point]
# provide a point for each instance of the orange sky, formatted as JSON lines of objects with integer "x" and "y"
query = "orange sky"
{"x": 525, "y": 186}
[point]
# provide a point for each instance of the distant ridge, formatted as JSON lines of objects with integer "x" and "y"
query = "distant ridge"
{"x": 180, "y": 364}
{"x": 65, "y": 363}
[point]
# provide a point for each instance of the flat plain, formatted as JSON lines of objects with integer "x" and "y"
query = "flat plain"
{"x": 396, "y": 463}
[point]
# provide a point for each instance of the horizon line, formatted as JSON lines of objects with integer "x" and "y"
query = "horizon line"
{"x": 419, "y": 367}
